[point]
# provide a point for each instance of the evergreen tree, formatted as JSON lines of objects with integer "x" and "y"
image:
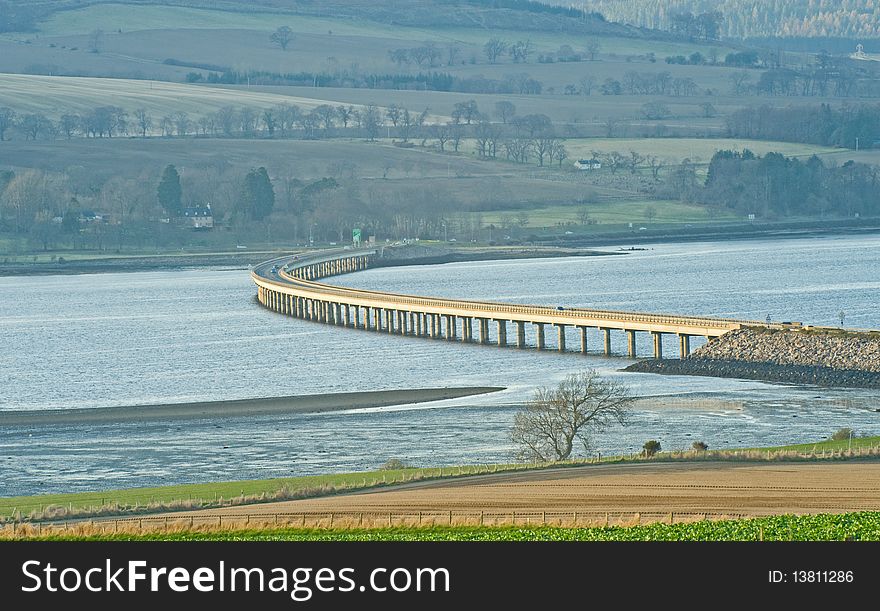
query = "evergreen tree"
{"x": 258, "y": 196}
{"x": 169, "y": 192}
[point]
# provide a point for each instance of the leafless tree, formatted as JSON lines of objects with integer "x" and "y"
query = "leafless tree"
{"x": 520, "y": 51}
{"x": 282, "y": 37}
{"x": 442, "y": 135}
{"x": 453, "y": 54}
{"x": 494, "y": 48}
{"x": 634, "y": 161}
{"x": 593, "y": 49}
{"x": 394, "y": 113}
{"x": 587, "y": 83}
{"x": 550, "y": 425}
{"x": 505, "y": 110}
{"x": 143, "y": 120}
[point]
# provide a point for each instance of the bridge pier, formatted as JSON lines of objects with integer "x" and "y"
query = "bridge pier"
{"x": 467, "y": 329}
{"x": 389, "y": 320}
{"x": 520, "y": 333}
{"x": 658, "y": 344}
{"x": 484, "y": 330}
{"x": 539, "y": 335}
{"x": 583, "y": 331}
{"x": 502, "y": 333}
{"x": 403, "y": 324}
{"x": 631, "y": 343}
{"x": 451, "y": 324}
{"x": 561, "y": 341}
{"x": 684, "y": 345}
{"x": 377, "y": 319}
{"x": 607, "y": 342}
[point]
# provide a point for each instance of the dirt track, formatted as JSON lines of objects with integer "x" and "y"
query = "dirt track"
{"x": 727, "y": 488}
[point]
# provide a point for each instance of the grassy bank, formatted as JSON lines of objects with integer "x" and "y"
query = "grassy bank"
{"x": 861, "y": 526}
{"x": 225, "y": 494}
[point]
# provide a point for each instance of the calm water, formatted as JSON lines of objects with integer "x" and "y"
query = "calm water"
{"x": 76, "y": 342}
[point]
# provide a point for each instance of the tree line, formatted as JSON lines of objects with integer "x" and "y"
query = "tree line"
{"x": 776, "y": 186}
{"x": 846, "y": 126}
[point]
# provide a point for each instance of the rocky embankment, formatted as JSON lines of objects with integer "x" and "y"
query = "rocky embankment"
{"x": 806, "y": 356}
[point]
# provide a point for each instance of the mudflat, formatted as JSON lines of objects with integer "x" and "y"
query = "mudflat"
{"x": 301, "y": 404}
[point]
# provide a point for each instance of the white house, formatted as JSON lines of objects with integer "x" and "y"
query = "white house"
{"x": 588, "y": 164}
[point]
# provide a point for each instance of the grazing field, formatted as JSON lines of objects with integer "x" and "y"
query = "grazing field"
{"x": 858, "y": 526}
{"x": 56, "y": 95}
{"x": 115, "y": 17}
{"x": 696, "y": 149}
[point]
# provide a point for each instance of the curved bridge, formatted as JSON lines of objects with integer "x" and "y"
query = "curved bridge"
{"x": 289, "y": 285}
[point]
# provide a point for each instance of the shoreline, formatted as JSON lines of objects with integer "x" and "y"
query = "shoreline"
{"x": 268, "y": 406}
{"x": 569, "y": 246}
{"x": 810, "y": 375}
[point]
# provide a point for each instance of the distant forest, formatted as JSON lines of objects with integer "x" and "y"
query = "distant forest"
{"x": 754, "y": 18}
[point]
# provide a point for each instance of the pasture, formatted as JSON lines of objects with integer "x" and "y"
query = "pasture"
{"x": 56, "y": 95}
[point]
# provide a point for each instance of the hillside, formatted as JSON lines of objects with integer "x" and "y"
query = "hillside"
{"x": 754, "y": 18}
{"x": 25, "y": 15}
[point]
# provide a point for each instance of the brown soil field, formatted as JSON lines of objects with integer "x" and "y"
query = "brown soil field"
{"x": 718, "y": 488}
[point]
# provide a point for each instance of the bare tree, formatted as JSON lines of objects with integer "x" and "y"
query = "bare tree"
{"x": 143, "y": 120}
{"x": 587, "y": 83}
{"x": 593, "y": 49}
{"x": 442, "y": 134}
{"x": 634, "y": 161}
{"x": 371, "y": 121}
{"x": 555, "y": 419}
{"x": 505, "y": 110}
{"x": 394, "y": 113}
{"x": 520, "y": 50}
{"x": 282, "y": 37}
{"x": 68, "y": 124}
{"x": 494, "y": 48}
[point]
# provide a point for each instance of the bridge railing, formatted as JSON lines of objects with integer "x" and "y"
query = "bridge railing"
{"x": 492, "y": 309}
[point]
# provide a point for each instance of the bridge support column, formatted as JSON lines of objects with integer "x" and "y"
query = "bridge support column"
{"x": 658, "y": 344}
{"x": 684, "y": 345}
{"x": 467, "y": 333}
{"x": 631, "y": 343}
{"x": 607, "y": 342}
{"x": 357, "y": 316}
{"x": 404, "y": 326}
{"x": 389, "y": 320}
{"x": 561, "y": 342}
{"x": 346, "y": 314}
{"x": 520, "y": 333}
{"x": 435, "y": 325}
{"x": 583, "y": 331}
{"x": 451, "y": 324}
{"x": 377, "y": 319}
{"x": 502, "y": 332}
{"x": 539, "y": 335}
{"x": 484, "y": 330}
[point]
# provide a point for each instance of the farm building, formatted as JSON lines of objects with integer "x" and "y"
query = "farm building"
{"x": 588, "y": 164}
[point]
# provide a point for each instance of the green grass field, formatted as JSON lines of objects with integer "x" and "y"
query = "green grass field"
{"x": 210, "y": 494}
{"x": 861, "y": 526}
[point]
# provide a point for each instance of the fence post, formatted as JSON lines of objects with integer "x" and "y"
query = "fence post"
{"x": 481, "y": 517}
{"x": 331, "y": 519}
{"x": 544, "y": 518}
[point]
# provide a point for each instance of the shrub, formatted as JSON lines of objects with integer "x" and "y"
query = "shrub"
{"x": 394, "y": 464}
{"x": 651, "y": 447}
{"x": 843, "y": 434}
{"x": 700, "y": 446}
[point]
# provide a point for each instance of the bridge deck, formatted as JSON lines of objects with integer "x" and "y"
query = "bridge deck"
{"x": 288, "y": 280}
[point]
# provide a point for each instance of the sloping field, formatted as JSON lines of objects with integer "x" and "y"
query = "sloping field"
{"x": 725, "y": 488}
{"x": 695, "y": 149}
{"x": 56, "y": 95}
